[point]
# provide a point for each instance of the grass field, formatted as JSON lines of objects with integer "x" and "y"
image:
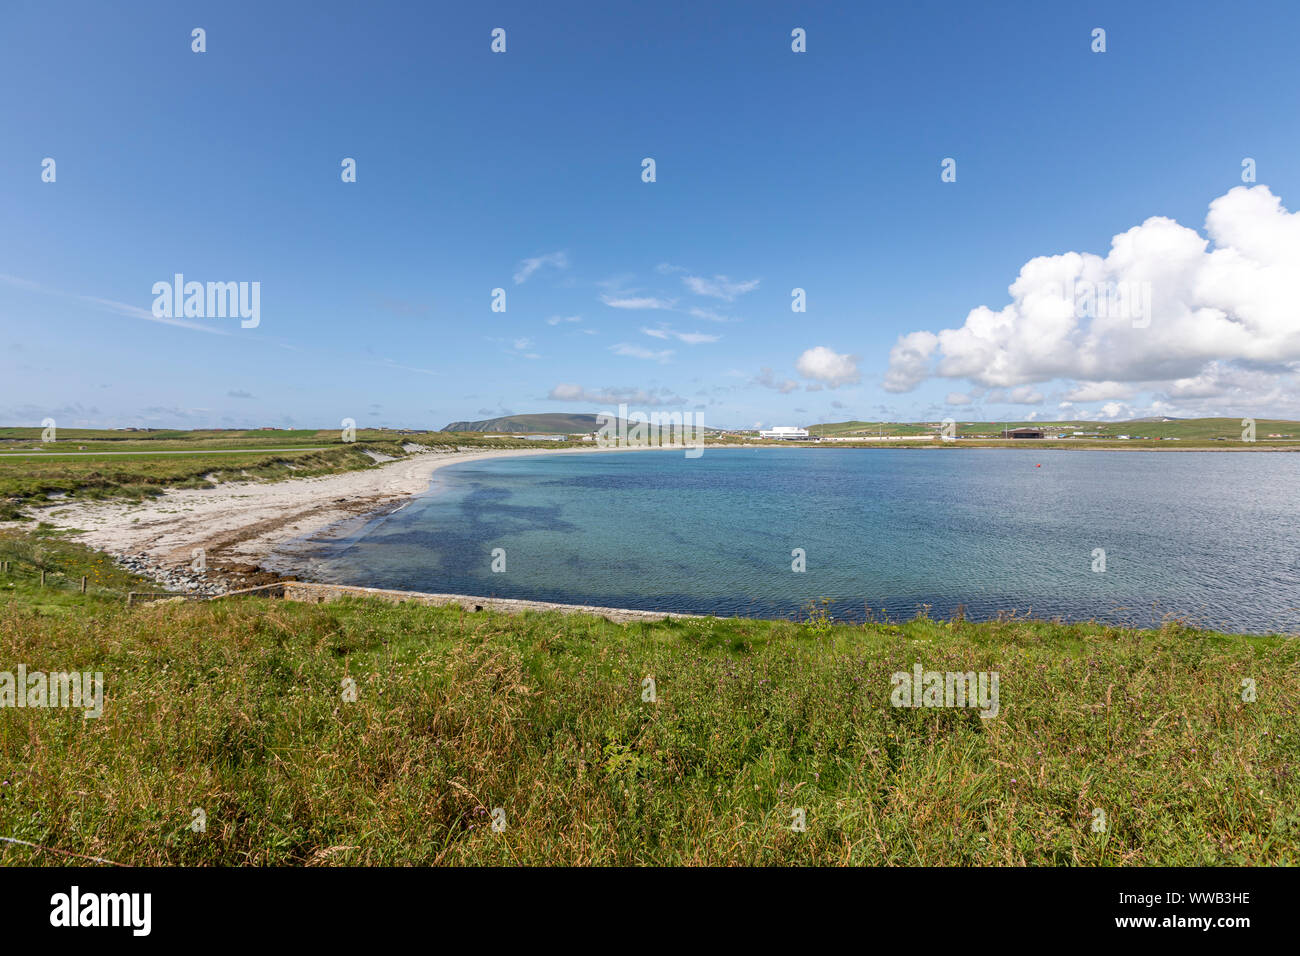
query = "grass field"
{"x": 99, "y": 464}
{"x": 1200, "y": 430}
{"x": 870, "y": 429}
{"x": 236, "y": 708}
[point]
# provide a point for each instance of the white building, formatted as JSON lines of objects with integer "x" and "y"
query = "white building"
{"x": 785, "y": 432}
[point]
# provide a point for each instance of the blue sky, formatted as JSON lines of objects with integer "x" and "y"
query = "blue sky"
{"x": 774, "y": 170}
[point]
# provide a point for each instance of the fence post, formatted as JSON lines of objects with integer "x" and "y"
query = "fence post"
{"x": 42, "y": 577}
{"x": 83, "y": 584}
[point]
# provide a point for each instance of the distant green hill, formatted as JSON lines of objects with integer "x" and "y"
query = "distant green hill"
{"x": 851, "y": 429}
{"x": 553, "y": 423}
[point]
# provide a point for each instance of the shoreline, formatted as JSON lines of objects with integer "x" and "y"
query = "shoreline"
{"x": 242, "y": 528}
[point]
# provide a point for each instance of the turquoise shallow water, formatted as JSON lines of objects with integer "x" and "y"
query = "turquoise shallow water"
{"x": 1210, "y": 537}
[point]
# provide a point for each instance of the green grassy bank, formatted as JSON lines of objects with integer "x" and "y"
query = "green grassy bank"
{"x": 87, "y": 464}
{"x": 237, "y": 707}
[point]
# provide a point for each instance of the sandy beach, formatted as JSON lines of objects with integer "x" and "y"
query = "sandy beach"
{"x": 240, "y": 524}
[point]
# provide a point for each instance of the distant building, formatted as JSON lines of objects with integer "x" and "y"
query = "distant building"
{"x": 785, "y": 433}
{"x": 1022, "y": 433}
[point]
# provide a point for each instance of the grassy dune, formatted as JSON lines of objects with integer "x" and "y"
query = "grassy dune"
{"x": 236, "y": 707}
{"x": 152, "y": 466}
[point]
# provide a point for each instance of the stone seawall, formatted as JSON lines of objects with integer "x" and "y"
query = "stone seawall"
{"x": 321, "y": 593}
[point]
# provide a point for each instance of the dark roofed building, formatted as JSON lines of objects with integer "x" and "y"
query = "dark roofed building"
{"x": 1022, "y": 433}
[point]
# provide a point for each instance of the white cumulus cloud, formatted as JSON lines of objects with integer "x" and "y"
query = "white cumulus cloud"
{"x": 1196, "y": 316}
{"x": 828, "y": 367}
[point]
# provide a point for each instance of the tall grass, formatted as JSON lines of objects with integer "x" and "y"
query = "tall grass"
{"x": 236, "y": 707}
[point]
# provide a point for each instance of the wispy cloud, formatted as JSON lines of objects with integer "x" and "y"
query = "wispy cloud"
{"x": 389, "y": 363}
{"x": 136, "y": 312}
{"x": 527, "y": 267}
{"x": 708, "y": 315}
{"x": 767, "y": 378}
{"x": 110, "y": 305}
{"x": 696, "y": 338}
{"x": 636, "y": 302}
{"x": 614, "y": 395}
{"x": 559, "y": 319}
{"x": 690, "y": 338}
{"x": 520, "y": 347}
{"x": 20, "y": 283}
{"x": 637, "y": 351}
{"x": 719, "y": 287}
{"x": 523, "y": 347}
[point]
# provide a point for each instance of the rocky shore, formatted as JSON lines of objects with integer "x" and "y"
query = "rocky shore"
{"x": 184, "y": 579}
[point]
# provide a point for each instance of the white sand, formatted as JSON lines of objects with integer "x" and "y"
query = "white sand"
{"x": 242, "y": 523}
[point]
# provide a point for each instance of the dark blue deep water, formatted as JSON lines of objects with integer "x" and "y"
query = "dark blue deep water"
{"x": 1208, "y": 537}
